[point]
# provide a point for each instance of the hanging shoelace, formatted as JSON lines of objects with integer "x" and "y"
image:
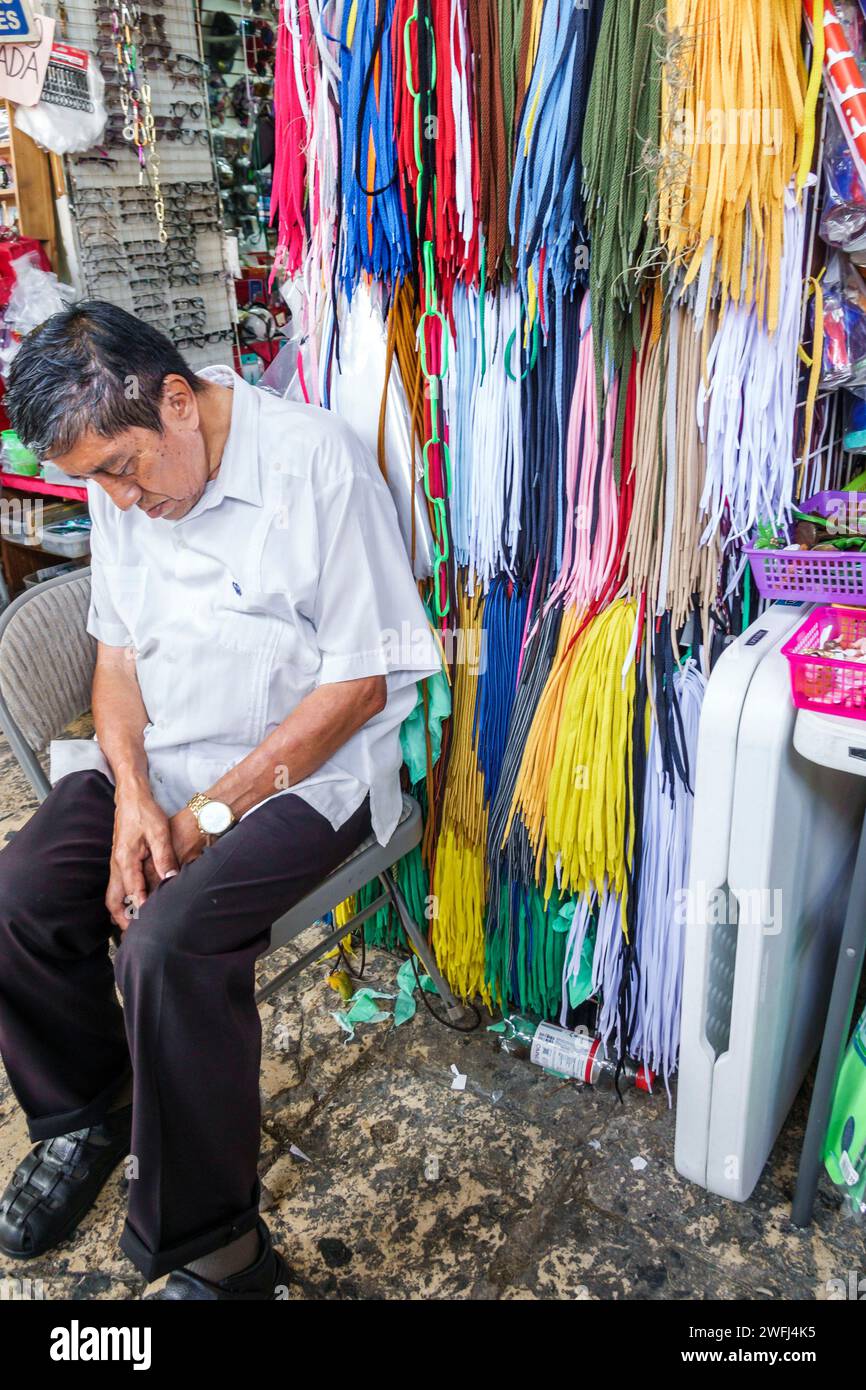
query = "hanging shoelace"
{"x": 489, "y": 112}
{"x": 460, "y": 871}
{"x": 510, "y": 859}
{"x": 294, "y": 97}
{"x": 375, "y": 228}
{"x": 747, "y": 409}
{"x": 590, "y": 545}
{"x": 502, "y": 636}
{"x": 732, "y": 132}
{"x": 660, "y": 919}
{"x": 437, "y": 156}
{"x": 547, "y": 388}
{"x": 620, "y": 141}
{"x": 545, "y": 214}
{"x": 485, "y": 432}
{"x": 588, "y": 799}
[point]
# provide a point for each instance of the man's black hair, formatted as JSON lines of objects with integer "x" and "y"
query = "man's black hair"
{"x": 91, "y": 367}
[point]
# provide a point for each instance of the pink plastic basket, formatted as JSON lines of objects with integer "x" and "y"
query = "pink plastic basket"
{"x": 822, "y": 683}
{"x": 810, "y": 576}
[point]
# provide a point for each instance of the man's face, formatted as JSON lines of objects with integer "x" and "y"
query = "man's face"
{"x": 162, "y": 474}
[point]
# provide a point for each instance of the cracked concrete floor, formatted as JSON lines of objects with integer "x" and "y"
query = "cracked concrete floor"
{"x": 403, "y": 1188}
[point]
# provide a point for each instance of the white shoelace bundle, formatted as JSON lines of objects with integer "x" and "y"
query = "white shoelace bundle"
{"x": 746, "y": 414}
{"x": 660, "y": 918}
{"x": 485, "y": 433}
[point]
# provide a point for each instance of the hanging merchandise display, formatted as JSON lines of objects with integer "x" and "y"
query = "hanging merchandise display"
{"x": 147, "y": 229}
{"x": 592, "y": 287}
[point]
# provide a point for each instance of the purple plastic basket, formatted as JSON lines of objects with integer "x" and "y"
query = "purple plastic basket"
{"x": 816, "y": 576}
{"x": 823, "y": 503}
{"x": 810, "y": 576}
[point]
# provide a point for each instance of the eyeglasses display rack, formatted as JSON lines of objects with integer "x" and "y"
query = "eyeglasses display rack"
{"x": 144, "y": 200}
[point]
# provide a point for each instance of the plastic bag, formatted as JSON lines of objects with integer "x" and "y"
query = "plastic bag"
{"x": 70, "y": 115}
{"x": 36, "y": 295}
{"x": 844, "y": 354}
{"x": 843, "y": 219}
{"x": 845, "y": 1145}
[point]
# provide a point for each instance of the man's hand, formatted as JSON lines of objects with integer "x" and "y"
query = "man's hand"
{"x": 186, "y": 838}
{"x": 142, "y": 854}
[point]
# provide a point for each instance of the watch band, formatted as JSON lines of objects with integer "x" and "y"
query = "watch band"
{"x": 196, "y": 804}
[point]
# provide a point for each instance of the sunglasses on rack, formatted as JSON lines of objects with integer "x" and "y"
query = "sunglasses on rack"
{"x": 94, "y": 221}
{"x": 151, "y": 300}
{"x": 152, "y": 25}
{"x": 187, "y": 136}
{"x": 173, "y": 246}
{"x": 219, "y": 335}
{"x": 91, "y": 199}
{"x": 103, "y": 159}
{"x": 155, "y": 51}
{"x": 195, "y": 186}
{"x": 170, "y": 193}
{"x": 101, "y": 242}
{"x": 176, "y": 277}
{"x": 181, "y": 109}
{"x": 187, "y": 324}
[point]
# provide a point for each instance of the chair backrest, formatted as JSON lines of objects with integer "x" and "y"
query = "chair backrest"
{"x": 47, "y": 658}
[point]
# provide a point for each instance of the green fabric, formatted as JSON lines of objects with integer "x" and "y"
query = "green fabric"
{"x": 412, "y": 738}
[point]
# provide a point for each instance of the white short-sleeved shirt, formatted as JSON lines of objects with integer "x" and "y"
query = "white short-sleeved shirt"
{"x": 289, "y": 573}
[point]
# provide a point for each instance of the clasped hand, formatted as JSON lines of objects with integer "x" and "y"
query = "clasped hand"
{"x": 148, "y": 848}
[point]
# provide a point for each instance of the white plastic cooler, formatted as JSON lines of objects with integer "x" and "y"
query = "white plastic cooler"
{"x": 773, "y": 848}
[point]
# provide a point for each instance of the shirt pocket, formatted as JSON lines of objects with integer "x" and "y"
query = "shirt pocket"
{"x": 124, "y": 588}
{"x": 245, "y": 624}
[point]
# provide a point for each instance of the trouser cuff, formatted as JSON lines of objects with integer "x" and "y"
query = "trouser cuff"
{"x": 154, "y": 1263}
{"x": 49, "y": 1126}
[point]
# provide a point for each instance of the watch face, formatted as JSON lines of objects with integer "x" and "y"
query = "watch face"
{"x": 214, "y": 818}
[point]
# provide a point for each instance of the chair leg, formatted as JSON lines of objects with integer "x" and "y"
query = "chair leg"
{"x": 416, "y": 936}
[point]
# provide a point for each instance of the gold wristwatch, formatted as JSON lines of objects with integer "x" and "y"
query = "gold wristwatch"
{"x": 213, "y": 818}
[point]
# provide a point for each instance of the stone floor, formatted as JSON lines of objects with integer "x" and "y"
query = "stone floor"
{"x": 384, "y": 1183}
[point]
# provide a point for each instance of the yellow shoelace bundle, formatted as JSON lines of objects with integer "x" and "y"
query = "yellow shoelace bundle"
{"x": 732, "y": 131}
{"x": 589, "y": 814}
{"x": 530, "y": 792}
{"x": 460, "y": 871}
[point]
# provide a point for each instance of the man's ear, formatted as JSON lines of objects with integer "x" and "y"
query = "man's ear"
{"x": 178, "y": 403}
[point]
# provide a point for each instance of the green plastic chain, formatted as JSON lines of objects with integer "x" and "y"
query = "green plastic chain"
{"x": 433, "y": 379}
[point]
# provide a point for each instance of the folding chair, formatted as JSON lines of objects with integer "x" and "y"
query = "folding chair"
{"x": 47, "y": 658}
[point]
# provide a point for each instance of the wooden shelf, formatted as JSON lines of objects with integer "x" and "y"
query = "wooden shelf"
{"x": 32, "y": 191}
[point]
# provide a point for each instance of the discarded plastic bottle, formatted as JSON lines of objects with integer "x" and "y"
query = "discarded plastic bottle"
{"x": 571, "y": 1054}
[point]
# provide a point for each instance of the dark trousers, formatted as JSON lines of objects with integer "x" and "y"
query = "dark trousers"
{"x": 189, "y": 1031}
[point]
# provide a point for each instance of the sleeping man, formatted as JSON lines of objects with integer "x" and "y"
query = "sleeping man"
{"x": 248, "y": 575}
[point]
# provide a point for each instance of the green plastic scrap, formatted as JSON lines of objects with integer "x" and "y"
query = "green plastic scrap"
{"x": 362, "y": 1007}
{"x": 579, "y": 985}
{"x": 405, "y": 1007}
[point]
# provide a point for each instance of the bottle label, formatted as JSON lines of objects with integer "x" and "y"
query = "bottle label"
{"x": 561, "y": 1051}
{"x": 849, "y": 1172}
